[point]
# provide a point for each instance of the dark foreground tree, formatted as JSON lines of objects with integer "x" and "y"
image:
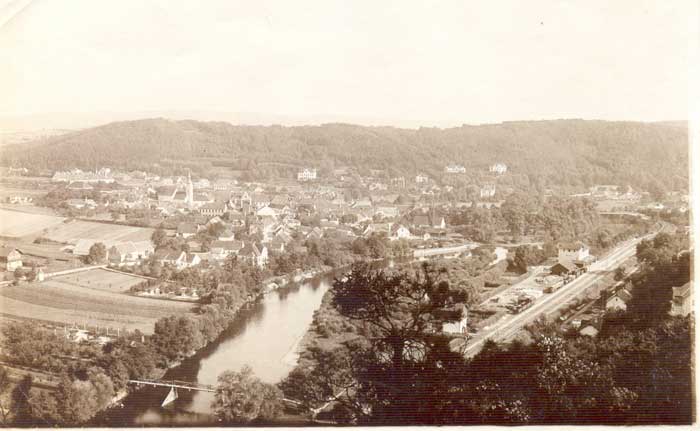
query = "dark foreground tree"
{"x": 402, "y": 371}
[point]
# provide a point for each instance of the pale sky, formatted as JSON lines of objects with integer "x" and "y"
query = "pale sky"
{"x": 401, "y": 62}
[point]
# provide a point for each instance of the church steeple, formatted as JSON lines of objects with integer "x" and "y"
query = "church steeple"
{"x": 189, "y": 199}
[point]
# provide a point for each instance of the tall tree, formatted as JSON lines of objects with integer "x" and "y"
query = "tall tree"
{"x": 96, "y": 254}
{"x": 242, "y": 398}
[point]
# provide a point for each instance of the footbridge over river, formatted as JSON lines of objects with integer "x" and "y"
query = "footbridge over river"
{"x": 174, "y": 385}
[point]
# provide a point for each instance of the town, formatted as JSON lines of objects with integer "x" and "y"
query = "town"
{"x": 104, "y": 254}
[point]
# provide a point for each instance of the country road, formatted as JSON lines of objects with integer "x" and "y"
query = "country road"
{"x": 509, "y": 325}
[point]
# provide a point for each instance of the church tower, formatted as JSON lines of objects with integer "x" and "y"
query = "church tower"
{"x": 189, "y": 199}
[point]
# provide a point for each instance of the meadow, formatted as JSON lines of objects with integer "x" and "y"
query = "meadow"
{"x": 17, "y": 224}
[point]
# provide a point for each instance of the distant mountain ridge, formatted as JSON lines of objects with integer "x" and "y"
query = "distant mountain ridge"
{"x": 575, "y": 152}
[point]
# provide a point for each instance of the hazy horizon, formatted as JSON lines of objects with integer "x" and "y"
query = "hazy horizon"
{"x": 77, "y": 121}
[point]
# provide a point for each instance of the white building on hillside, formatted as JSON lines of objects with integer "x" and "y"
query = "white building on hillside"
{"x": 455, "y": 169}
{"x": 306, "y": 174}
{"x": 421, "y": 178}
{"x": 573, "y": 252}
{"x": 498, "y": 168}
{"x": 487, "y": 191}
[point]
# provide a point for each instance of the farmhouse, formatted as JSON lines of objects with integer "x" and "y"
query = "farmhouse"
{"x": 129, "y": 253}
{"x": 180, "y": 260}
{"x": 10, "y": 258}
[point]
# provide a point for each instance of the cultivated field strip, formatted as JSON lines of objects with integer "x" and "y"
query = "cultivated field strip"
{"x": 17, "y": 224}
{"x": 103, "y": 232}
{"x": 88, "y": 299}
{"x": 100, "y": 279}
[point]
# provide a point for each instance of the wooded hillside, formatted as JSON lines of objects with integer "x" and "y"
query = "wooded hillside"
{"x": 563, "y": 152}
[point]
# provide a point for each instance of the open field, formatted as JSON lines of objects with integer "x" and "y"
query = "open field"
{"x": 61, "y": 301}
{"x": 12, "y": 191}
{"x": 103, "y": 232}
{"x": 99, "y": 279}
{"x": 18, "y": 224}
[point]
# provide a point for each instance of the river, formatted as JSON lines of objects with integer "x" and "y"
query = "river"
{"x": 264, "y": 336}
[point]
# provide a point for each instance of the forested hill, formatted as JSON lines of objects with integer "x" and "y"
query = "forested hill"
{"x": 567, "y": 152}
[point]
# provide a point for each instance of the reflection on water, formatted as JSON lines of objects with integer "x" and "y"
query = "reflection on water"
{"x": 264, "y": 336}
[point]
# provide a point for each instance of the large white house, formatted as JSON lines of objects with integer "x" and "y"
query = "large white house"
{"x": 573, "y": 252}
{"x": 498, "y": 168}
{"x": 421, "y": 178}
{"x": 306, "y": 174}
{"x": 487, "y": 191}
{"x": 455, "y": 169}
{"x": 400, "y": 232}
{"x": 130, "y": 253}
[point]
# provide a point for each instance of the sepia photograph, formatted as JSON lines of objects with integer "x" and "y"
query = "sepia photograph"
{"x": 326, "y": 213}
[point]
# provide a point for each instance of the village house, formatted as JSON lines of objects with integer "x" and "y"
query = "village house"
{"x": 306, "y": 174}
{"x": 10, "y": 258}
{"x": 682, "y": 302}
{"x": 589, "y": 331}
{"x": 377, "y": 228}
{"x": 421, "y": 179}
{"x": 498, "y": 168}
{"x": 236, "y": 219}
{"x": 226, "y": 235}
{"x": 316, "y": 233}
{"x": 487, "y": 191}
{"x": 276, "y": 245}
{"x": 180, "y": 260}
{"x": 399, "y": 232}
{"x": 129, "y": 253}
{"x": 616, "y": 301}
{"x": 429, "y": 221}
{"x": 222, "y": 249}
{"x": 103, "y": 175}
{"x": 81, "y": 203}
{"x": 576, "y": 252}
{"x": 266, "y": 212}
{"x": 387, "y": 212}
{"x": 186, "y": 230}
{"x": 455, "y": 169}
{"x": 565, "y": 267}
{"x": 457, "y": 314}
{"x": 19, "y": 200}
{"x": 254, "y": 255}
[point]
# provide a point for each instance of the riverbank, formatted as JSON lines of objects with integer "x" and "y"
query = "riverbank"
{"x": 261, "y": 336}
